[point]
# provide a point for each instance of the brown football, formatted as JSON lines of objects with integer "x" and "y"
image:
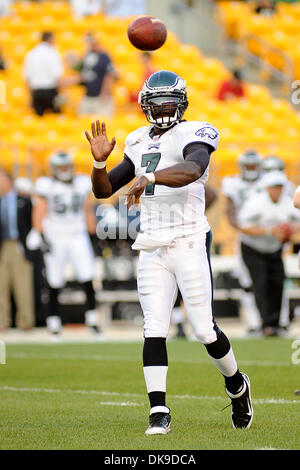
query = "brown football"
{"x": 147, "y": 33}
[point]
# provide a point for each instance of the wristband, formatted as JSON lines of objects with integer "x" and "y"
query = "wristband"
{"x": 150, "y": 177}
{"x": 99, "y": 165}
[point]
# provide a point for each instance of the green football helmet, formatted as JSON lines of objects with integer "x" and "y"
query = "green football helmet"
{"x": 250, "y": 165}
{"x": 273, "y": 163}
{"x": 62, "y": 167}
{"x": 163, "y": 98}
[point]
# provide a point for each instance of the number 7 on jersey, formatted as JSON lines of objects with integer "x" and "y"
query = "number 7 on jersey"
{"x": 150, "y": 160}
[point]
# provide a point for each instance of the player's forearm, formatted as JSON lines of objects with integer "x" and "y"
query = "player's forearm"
{"x": 37, "y": 224}
{"x": 178, "y": 175}
{"x": 105, "y": 184}
{"x": 210, "y": 196}
{"x": 297, "y": 199}
{"x": 231, "y": 213}
{"x": 39, "y": 211}
{"x": 232, "y": 219}
{"x": 101, "y": 184}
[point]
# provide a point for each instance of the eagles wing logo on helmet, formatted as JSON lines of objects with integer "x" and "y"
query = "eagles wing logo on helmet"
{"x": 207, "y": 132}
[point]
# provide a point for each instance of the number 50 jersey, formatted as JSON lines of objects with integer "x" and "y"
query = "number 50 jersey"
{"x": 166, "y": 212}
{"x": 66, "y": 215}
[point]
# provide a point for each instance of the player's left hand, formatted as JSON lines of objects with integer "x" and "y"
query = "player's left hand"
{"x": 135, "y": 191}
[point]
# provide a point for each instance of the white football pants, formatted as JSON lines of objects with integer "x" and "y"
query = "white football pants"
{"x": 75, "y": 249}
{"x": 184, "y": 264}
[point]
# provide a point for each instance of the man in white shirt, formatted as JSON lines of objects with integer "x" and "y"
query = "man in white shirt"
{"x": 123, "y": 9}
{"x": 267, "y": 221}
{"x": 43, "y": 70}
{"x": 5, "y": 7}
{"x": 83, "y": 8}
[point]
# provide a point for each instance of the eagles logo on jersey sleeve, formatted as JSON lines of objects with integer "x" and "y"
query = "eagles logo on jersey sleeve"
{"x": 201, "y": 132}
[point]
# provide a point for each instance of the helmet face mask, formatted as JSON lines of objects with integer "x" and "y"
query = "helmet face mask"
{"x": 62, "y": 166}
{"x": 250, "y": 165}
{"x": 163, "y": 99}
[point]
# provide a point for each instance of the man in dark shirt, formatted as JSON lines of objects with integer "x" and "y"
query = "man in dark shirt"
{"x": 97, "y": 75}
{"x": 2, "y": 61}
{"x": 265, "y": 7}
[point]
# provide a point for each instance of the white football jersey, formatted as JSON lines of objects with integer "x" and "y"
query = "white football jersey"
{"x": 239, "y": 189}
{"x": 166, "y": 212}
{"x": 65, "y": 214}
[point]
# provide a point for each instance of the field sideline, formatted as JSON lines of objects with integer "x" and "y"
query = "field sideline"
{"x": 92, "y": 396}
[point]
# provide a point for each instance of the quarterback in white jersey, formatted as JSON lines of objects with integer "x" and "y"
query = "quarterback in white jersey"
{"x": 168, "y": 212}
{"x": 62, "y": 219}
{"x": 170, "y": 160}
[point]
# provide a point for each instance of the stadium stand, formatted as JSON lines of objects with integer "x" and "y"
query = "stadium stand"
{"x": 27, "y": 140}
{"x": 272, "y": 38}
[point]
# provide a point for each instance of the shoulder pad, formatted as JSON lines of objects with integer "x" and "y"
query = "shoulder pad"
{"x": 136, "y": 136}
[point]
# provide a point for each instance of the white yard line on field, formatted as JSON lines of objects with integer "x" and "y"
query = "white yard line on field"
{"x": 118, "y": 403}
{"x": 78, "y": 357}
{"x": 258, "y": 401}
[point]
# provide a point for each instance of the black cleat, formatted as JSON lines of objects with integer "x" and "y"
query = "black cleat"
{"x": 159, "y": 423}
{"x": 180, "y": 332}
{"x": 242, "y": 411}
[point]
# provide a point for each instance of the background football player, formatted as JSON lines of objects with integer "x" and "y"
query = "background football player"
{"x": 63, "y": 217}
{"x": 238, "y": 189}
{"x": 175, "y": 237}
{"x": 273, "y": 163}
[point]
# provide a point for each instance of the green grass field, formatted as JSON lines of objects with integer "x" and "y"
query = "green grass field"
{"x": 92, "y": 396}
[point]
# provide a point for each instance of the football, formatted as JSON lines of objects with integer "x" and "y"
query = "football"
{"x": 147, "y": 33}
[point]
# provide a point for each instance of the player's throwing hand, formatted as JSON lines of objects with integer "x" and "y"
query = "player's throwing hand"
{"x": 101, "y": 147}
{"x": 136, "y": 190}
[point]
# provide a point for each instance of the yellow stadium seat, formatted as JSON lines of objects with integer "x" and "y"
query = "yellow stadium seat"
{"x": 254, "y": 120}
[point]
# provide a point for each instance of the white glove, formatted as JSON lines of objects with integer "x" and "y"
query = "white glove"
{"x": 34, "y": 240}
